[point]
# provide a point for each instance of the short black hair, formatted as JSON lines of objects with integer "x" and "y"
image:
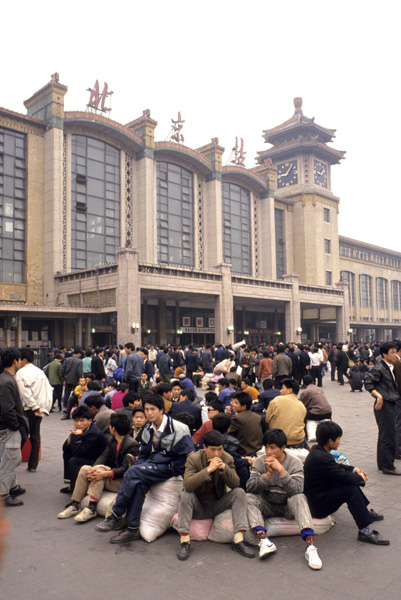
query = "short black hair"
{"x": 276, "y": 437}
{"x": 121, "y": 422}
{"x": 213, "y": 438}
{"x": 94, "y": 400}
{"x": 247, "y": 381}
{"x": 93, "y": 386}
{"x": 176, "y": 383}
{"x": 290, "y": 383}
{"x": 217, "y": 405}
{"x": 211, "y": 397}
{"x": 129, "y": 345}
{"x": 327, "y": 430}
{"x": 243, "y": 398}
{"x": 88, "y": 353}
{"x": 99, "y": 350}
{"x": 130, "y": 397}
{"x": 223, "y": 381}
{"x": 307, "y": 380}
{"x": 82, "y": 412}
{"x": 154, "y": 400}
{"x": 384, "y": 348}
{"x": 186, "y": 418}
{"x": 28, "y": 354}
{"x": 190, "y": 394}
{"x": 8, "y": 356}
{"x": 138, "y": 409}
{"x": 267, "y": 384}
{"x": 163, "y": 388}
{"x": 221, "y": 423}
{"x": 122, "y": 387}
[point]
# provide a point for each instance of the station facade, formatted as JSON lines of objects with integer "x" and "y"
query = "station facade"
{"x": 108, "y": 235}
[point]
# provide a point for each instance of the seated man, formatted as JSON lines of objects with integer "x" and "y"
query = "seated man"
{"x": 225, "y": 392}
{"x": 164, "y": 390}
{"x": 207, "y": 473}
{"x": 107, "y": 472}
{"x": 82, "y": 447}
{"x": 275, "y": 489}
{"x": 186, "y": 404}
{"x": 214, "y": 408}
{"x": 286, "y": 412}
{"x": 101, "y": 414}
{"x": 109, "y": 392}
{"x": 222, "y": 423}
{"x": 269, "y": 392}
{"x": 92, "y": 387}
{"x": 328, "y": 485}
{"x": 163, "y": 451}
{"x": 176, "y": 388}
{"x": 248, "y": 389}
{"x": 144, "y": 383}
{"x": 246, "y": 426}
{"x": 138, "y": 423}
{"x": 315, "y": 401}
{"x": 130, "y": 400}
{"x": 233, "y": 376}
{"x": 75, "y": 397}
{"x": 356, "y": 377}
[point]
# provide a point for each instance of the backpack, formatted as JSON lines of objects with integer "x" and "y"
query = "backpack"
{"x": 118, "y": 374}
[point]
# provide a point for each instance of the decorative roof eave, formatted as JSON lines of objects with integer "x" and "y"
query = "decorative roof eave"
{"x": 4, "y": 112}
{"x": 245, "y": 178}
{"x": 304, "y": 145}
{"x": 302, "y": 127}
{"x": 359, "y": 244}
{"x": 171, "y": 151}
{"x": 102, "y": 125}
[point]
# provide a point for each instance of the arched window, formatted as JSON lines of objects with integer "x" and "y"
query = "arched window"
{"x": 350, "y": 278}
{"x": 237, "y": 228}
{"x": 95, "y": 202}
{"x": 382, "y": 293}
{"x": 396, "y": 289}
{"x": 365, "y": 291}
{"x": 175, "y": 218}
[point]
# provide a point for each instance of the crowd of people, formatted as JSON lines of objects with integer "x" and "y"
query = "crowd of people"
{"x": 139, "y": 419}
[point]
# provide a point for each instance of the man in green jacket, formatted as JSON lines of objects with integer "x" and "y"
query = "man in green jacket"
{"x": 54, "y": 372}
{"x": 207, "y": 473}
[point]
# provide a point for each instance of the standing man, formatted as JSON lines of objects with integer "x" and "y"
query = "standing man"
{"x": 37, "y": 398}
{"x": 98, "y": 367}
{"x": 72, "y": 372}
{"x": 133, "y": 367}
{"x": 342, "y": 363}
{"x": 380, "y": 383}
{"x": 207, "y": 359}
{"x": 282, "y": 366}
{"x": 333, "y": 361}
{"x": 13, "y": 428}
{"x": 165, "y": 364}
{"x": 192, "y": 362}
{"x": 397, "y": 374}
{"x": 54, "y": 372}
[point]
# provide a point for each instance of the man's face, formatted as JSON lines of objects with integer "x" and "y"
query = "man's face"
{"x": 17, "y": 364}
{"x": 212, "y": 412}
{"x": 236, "y": 406}
{"x": 285, "y": 391}
{"x": 176, "y": 391}
{"x": 82, "y": 381}
{"x": 139, "y": 420}
{"x": 144, "y": 377}
{"x": 221, "y": 387}
{"x": 153, "y": 413}
{"x": 391, "y": 356}
{"x": 167, "y": 395}
{"x": 137, "y": 402}
{"x": 335, "y": 443}
{"x": 127, "y": 350}
{"x": 212, "y": 451}
{"x": 273, "y": 450}
{"x": 82, "y": 423}
{"x": 243, "y": 385}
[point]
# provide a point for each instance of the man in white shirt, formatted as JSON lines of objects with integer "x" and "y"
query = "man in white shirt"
{"x": 37, "y": 398}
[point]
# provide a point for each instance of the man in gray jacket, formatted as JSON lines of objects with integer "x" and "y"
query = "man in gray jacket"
{"x": 133, "y": 367}
{"x": 380, "y": 383}
{"x": 72, "y": 371}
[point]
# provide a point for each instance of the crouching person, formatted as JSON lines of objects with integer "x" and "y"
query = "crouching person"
{"x": 275, "y": 489}
{"x": 207, "y": 473}
{"x": 107, "y": 472}
{"x": 163, "y": 451}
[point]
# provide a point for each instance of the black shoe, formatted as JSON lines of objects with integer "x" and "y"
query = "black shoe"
{"x": 12, "y": 501}
{"x": 391, "y": 472}
{"x": 125, "y": 536}
{"x": 373, "y": 538}
{"x": 31, "y": 470}
{"x": 183, "y": 551}
{"x": 65, "y": 418}
{"x": 243, "y": 549}
{"x": 375, "y": 515}
{"x": 109, "y": 524}
{"x": 17, "y": 490}
{"x": 66, "y": 490}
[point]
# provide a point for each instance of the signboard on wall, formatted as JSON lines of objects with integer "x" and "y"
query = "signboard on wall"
{"x": 186, "y": 321}
{"x": 198, "y": 330}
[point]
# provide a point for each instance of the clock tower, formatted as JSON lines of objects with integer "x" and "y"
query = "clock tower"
{"x": 303, "y": 159}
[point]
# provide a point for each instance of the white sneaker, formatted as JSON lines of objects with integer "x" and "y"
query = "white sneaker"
{"x": 266, "y": 547}
{"x": 312, "y": 557}
{"x": 70, "y": 511}
{"x": 85, "y": 515}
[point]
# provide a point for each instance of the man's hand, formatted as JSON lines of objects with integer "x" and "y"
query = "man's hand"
{"x": 379, "y": 402}
{"x": 274, "y": 465}
{"x": 38, "y": 413}
{"x": 76, "y": 432}
{"x": 95, "y": 475}
{"x": 363, "y": 474}
{"x": 214, "y": 464}
{"x": 250, "y": 460}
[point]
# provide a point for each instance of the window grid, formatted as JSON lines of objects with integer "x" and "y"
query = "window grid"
{"x": 396, "y": 285}
{"x": 326, "y": 215}
{"x": 280, "y": 247}
{"x": 328, "y": 278}
{"x": 237, "y": 228}
{"x": 327, "y": 246}
{"x": 95, "y": 202}
{"x": 350, "y": 278}
{"x": 365, "y": 290}
{"x": 382, "y": 293}
{"x": 12, "y": 206}
{"x": 175, "y": 215}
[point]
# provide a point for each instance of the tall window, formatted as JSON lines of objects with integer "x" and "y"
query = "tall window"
{"x": 365, "y": 290}
{"x": 280, "y": 247}
{"x": 237, "y": 228}
{"x": 382, "y": 293}
{"x": 396, "y": 287}
{"x": 329, "y": 278}
{"x": 12, "y": 206}
{"x": 350, "y": 278}
{"x": 175, "y": 215}
{"x": 95, "y": 202}
{"x": 327, "y": 246}
{"x": 326, "y": 215}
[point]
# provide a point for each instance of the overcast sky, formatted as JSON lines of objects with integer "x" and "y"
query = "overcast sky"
{"x": 232, "y": 69}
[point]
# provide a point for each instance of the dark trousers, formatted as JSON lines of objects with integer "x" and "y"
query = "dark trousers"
{"x": 136, "y": 484}
{"x": 333, "y": 371}
{"x": 316, "y": 373}
{"x": 312, "y": 417}
{"x": 133, "y": 385}
{"x": 386, "y": 444}
{"x": 355, "y": 499}
{"x": 72, "y": 401}
{"x": 189, "y": 374}
{"x": 67, "y": 392}
{"x": 72, "y": 465}
{"x": 278, "y": 379}
{"x": 398, "y": 427}
{"x": 34, "y": 435}
{"x": 340, "y": 376}
{"x": 57, "y": 394}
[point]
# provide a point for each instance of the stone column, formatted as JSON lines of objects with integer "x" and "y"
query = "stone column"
{"x": 292, "y": 309}
{"x": 162, "y": 329}
{"x": 18, "y": 332}
{"x": 88, "y": 331}
{"x": 343, "y": 313}
{"x": 224, "y": 307}
{"x": 128, "y": 304}
{"x": 78, "y": 331}
{"x": 177, "y": 321}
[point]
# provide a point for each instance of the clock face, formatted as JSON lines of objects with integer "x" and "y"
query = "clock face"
{"x": 320, "y": 171}
{"x": 287, "y": 174}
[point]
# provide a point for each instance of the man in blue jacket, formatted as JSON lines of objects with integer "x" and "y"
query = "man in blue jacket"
{"x": 165, "y": 445}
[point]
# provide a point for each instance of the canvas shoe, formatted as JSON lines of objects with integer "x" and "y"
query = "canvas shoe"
{"x": 68, "y": 512}
{"x": 85, "y": 515}
{"x": 312, "y": 557}
{"x": 266, "y": 547}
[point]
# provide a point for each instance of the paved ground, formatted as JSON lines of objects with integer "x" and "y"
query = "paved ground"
{"x": 60, "y": 559}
